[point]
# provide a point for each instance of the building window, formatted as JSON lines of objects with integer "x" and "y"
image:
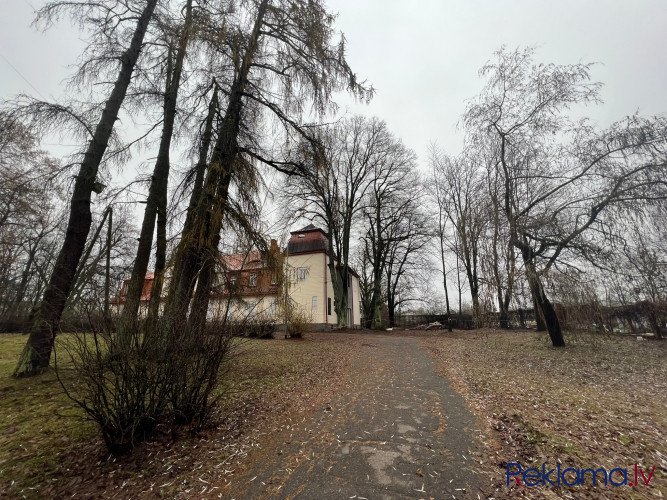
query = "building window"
{"x": 329, "y": 306}
{"x": 314, "y": 307}
{"x": 232, "y": 281}
{"x": 301, "y": 273}
{"x": 253, "y": 280}
{"x": 274, "y": 279}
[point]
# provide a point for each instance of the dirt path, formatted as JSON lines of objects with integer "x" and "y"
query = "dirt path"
{"x": 396, "y": 430}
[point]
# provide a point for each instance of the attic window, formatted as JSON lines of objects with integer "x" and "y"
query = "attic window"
{"x": 302, "y": 236}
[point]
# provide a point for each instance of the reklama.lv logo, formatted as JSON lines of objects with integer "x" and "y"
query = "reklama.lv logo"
{"x": 575, "y": 477}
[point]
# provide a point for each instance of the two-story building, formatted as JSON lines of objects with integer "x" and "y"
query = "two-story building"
{"x": 251, "y": 285}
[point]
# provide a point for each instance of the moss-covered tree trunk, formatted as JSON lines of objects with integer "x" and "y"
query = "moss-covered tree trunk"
{"x": 199, "y": 242}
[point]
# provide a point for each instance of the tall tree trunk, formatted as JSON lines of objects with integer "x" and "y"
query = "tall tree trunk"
{"x": 495, "y": 270}
{"x": 196, "y": 195}
{"x": 25, "y": 275}
{"x": 37, "y": 352}
{"x": 378, "y": 267}
{"x": 377, "y": 305}
{"x": 200, "y": 302}
{"x": 200, "y": 240}
{"x": 544, "y": 308}
{"x": 107, "y": 270}
{"x": 160, "y": 264}
{"x": 474, "y": 293}
{"x": 341, "y": 303}
{"x": 157, "y": 192}
{"x": 339, "y": 283}
{"x": 391, "y": 308}
{"x": 510, "y": 267}
{"x": 444, "y": 274}
{"x": 204, "y": 149}
{"x": 459, "y": 287}
{"x": 540, "y": 325}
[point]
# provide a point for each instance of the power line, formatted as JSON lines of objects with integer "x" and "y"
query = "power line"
{"x": 21, "y": 75}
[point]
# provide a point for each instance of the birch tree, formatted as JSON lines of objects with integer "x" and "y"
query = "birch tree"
{"x": 560, "y": 176}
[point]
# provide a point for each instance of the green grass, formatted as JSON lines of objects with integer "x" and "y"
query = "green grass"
{"x": 49, "y": 448}
{"x": 37, "y": 421}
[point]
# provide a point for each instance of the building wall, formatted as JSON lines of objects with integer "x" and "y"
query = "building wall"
{"x": 318, "y": 284}
{"x": 243, "y": 308}
{"x": 309, "y": 293}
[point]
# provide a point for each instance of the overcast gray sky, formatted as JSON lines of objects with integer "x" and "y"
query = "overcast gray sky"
{"x": 423, "y": 56}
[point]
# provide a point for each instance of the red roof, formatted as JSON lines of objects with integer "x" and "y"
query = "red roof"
{"x": 238, "y": 261}
{"x": 145, "y": 291}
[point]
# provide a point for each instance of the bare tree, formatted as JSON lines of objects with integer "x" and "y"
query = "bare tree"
{"x": 560, "y": 177}
{"x": 36, "y": 355}
{"x": 393, "y": 187}
{"x": 637, "y": 271}
{"x": 460, "y": 192}
{"x": 156, "y": 203}
{"x": 29, "y": 216}
{"x": 498, "y": 253}
{"x": 283, "y": 59}
{"x": 406, "y": 263}
{"x": 435, "y": 189}
{"x": 333, "y": 191}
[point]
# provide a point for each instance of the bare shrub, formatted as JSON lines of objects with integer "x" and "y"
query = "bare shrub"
{"x": 297, "y": 321}
{"x": 125, "y": 391}
{"x": 195, "y": 369}
{"x": 260, "y": 327}
{"x": 130, "y": 383}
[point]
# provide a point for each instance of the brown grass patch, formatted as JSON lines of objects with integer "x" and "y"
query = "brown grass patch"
{"x": 601, "y": 401}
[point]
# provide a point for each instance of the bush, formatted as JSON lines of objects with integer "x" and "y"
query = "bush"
{"x": 260, "y": 328}
{"x": 125, "y": 391}
{"x": 196, "y": 362}
{"x": 130, "y": 383}
{"x": 297, "y": 321}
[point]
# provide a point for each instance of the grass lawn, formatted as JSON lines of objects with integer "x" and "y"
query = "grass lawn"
{"x": 48, "y": 449}
{"x": 599, "y": 402}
